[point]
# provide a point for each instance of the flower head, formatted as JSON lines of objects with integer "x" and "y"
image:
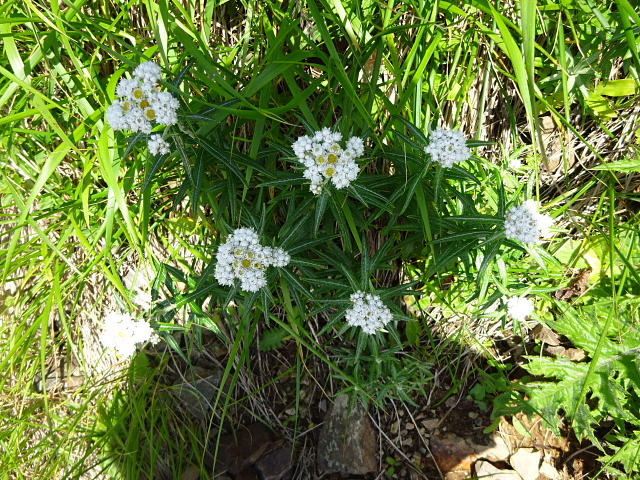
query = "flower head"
{"x": 368, "y": 312}
{"x": 122, "y": 332}
{"x": 157, "y": 144}
{"x": 141, "y": 104}
{"x": 148, "y": 72}
{"x": 447, "y": 147}
{"x": 326, "y": 161}
{"x": 519, "y": 307}
{"x": 526, "y": 224}
{"x": 143, "y": 300}
{"x": 242, "y": 257}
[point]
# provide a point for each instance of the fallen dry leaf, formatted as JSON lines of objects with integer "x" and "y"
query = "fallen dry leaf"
{"x": 545, "y": 334}
{"x": 577, "y": 287}
{"x": 575, "y": 354}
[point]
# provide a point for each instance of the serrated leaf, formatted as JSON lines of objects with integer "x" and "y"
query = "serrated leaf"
{"x": 601, "y": 378}
{"x": 272, "y": 339}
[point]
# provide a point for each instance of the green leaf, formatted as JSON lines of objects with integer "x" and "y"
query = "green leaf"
{"x": 617, "y": 88}
{"x": 520, "y": 428}
{"x": 601, "y": 106}
{"x": 272, "y": 339}
{"x": 599, "y": 378}
{"x": 321, "y": 207}
{"x": 625, "y": 166}
{"x": 284, "y": 179}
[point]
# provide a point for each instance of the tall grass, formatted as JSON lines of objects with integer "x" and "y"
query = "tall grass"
{"x": 83, "y": 205}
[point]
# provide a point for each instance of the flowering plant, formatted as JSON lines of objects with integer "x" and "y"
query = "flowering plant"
{"x": 417, "y": 207}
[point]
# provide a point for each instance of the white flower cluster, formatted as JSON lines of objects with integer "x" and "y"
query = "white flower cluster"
{"x": 157, "y": 145}
{"x": 526, "y": 224}
{"x": 122, "y": 332}
{"x": 243, "y": 257}
{"x": 143, "y": 300}
{"x": 368, "y": 312}
{"x": 141, "y": 103}
{"x": 447, "y": 147}
{"x": 519, "y": 307}
{"x": 327, "y": 161}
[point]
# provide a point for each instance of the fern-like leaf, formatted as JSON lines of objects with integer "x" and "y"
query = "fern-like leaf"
{"x": 628, "y": 455}
{"x": 272, "y": 339}
{"x": 585, "y": 392}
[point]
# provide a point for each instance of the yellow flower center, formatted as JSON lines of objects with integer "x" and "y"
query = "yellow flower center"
{"x": 333, "y": 158}
{"x": 329, "y": 172}
{"x": 246, "y": 263}
{"x": 239, "y": 252}
{"x": 257, "y": 265}
{"x": 144, "y": 104}
{"x": 335, "y": 148}
{"x": 151, "y": 114}
{"x": 138, "y": 93}
{"x": 321, "y": 159}
{"x": 126, "y": 106}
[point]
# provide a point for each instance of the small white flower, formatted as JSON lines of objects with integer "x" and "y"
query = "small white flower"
{"x": 126, "y": 87}
{"x": 515, "y": 163}
{"x": 519, "y": 307}
{"x": 302, "y": 145}
{"x": 355, "y": 145}
{"x": 122, "y": 332}
{"x": 326, "y": 161}
{"x": 524, "y": 223}
{"x": 138, "y": 120}
{"x": 116, "y": 116}
{"x": 447, "y": 147}
{"x": 242, "y": 257}
{"x": 280, "y": 258}
{"x": 368, "y": 312}
{"x": 148, "y": 72}
{"x": 143, "y": 300}
{"x": 157, "y": 145}
{"x": 165, "y": 106}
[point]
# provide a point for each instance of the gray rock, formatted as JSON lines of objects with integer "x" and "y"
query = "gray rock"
{"x": 197, "y": 396}
{"x": 275, "y": 465}
{"x": 496, "y": 451}
{"x": 526, "y": 461}
{"x": 347, "y": 441}
{"x": 488, "y": 472}
{"x": 549, "y": 471}
{"x": 191, "y": 473}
